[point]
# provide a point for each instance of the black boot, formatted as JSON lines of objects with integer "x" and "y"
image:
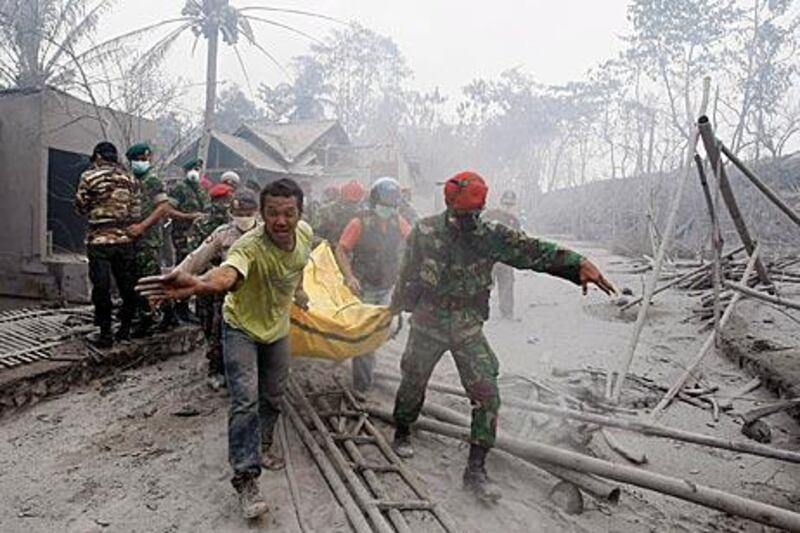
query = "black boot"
{"x": 124, "y": 332}
{"x": 184, "y": 314}
{"x": 144, "y": 328}
{"x": 402, "y": 442}
{"x": 104, "y": 339}
{"x": 475, "y": 477}
{"x": 169, "y": 320}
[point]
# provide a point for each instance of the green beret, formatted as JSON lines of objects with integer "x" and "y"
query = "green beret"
{"x": 137, "y": 150}
{"x": 192, "y": 163}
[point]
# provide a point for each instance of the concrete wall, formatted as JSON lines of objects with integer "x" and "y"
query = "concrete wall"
{"x": 30, "y": 124}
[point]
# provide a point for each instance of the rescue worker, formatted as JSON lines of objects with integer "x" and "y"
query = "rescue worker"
{"x": 210, "y": 253}
{"x": 369, "y": 253}
{"x": 262, "y": 276}
{"x": 231, "y": 179}
{"x": 108, "y": 195}
{"x": 154, "y": 206}
{"x": 334, "y": 217}
{"x": 189, "y": 196}
{"x": 445, "y": 282}
{"x": 503, "y": 275}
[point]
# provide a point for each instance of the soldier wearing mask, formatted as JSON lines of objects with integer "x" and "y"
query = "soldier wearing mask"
{"x": 445, "y": 281}
{"x": 369, "y": 253}
{"x": 190, "y": 197}
{"x": 108, "y": 196}
{"x": 209, "y": 253}
{"x": 155, "y": 205}
{"x": 503, "y": 275}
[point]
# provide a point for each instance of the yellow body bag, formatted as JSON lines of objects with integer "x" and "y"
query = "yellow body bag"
{"x": 337, "y": 325}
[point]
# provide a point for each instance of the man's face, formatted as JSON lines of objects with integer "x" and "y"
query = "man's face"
{"x": 281, "y": 215}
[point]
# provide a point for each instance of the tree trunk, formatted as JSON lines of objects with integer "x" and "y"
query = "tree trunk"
{"x": 211, "y": 95}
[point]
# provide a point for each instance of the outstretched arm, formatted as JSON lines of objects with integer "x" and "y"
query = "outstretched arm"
{"x": 179, "y": 285}
{"x": 519, "y": 250}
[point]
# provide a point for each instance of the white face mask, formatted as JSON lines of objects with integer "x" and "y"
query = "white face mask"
{"x": 244, "y": 223}
{"x": 193, "y": 175}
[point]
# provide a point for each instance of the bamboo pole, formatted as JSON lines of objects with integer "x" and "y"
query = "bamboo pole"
{"x": 638, "y": 426}
{"x": 598, "y": 488}
{"x": 707, "y": 345}
{"x": 680, "y": 488}
{"x": 712, "y": 150}
{"x": 681, "y": 278}
{"x": 627, "y": 358}
{"x": 741, "y": 288}
{"x": 716, "y": 240}
{"x": 351, "y": 509}
{"x": 760, "y": 185}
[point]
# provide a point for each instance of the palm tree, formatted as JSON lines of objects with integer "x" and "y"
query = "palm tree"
{"x": 48, "y": 42}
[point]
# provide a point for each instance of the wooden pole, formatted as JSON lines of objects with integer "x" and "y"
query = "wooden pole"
{"x": 758, "y": 295}
{"x": 679, "y": 488}
{"x": 681, "y": 278}
{"x": 712, "y": 150}
{"x": 707, "y": 345}
{"x": 598, "y": 488}
{"x": 638, "y": 426}
{"x": 760, "y": 185}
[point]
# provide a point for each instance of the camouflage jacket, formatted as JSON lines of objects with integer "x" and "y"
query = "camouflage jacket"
{"x": 216, "y": 216}
{"x": 446, "y": 275}
{"x": 332, "y": 218}
{"x": 109, "y": 196}
{"x": 152, "y": 193}
{"x": 189, "y": 197}
{"x": 504, "y": 217}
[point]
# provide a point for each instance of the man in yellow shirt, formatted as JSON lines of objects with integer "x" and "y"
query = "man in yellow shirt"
{"x": 262, "y": 276}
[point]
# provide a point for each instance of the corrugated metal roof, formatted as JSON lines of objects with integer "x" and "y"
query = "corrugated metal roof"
{"x": 293, "y": 138}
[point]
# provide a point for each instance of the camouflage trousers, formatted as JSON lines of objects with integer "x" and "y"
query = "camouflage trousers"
{"x": 477, "y": 367}
{"x": 209, "y": 311}
{"x": 146, "y": 263}
{"x": 180, "y": 242}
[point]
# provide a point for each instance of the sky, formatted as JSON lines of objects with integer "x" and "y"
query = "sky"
{"x": 447, "y": 43}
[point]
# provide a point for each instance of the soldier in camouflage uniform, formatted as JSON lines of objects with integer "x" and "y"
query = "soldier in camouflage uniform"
{"x": 503, "y": 275}
{"x": 189, "y": 197}
{"x": 155, "y": 205}
{"x": 333, "y": 217}
{"x": 445, "y": 283}
{"x": 108, "y": 195}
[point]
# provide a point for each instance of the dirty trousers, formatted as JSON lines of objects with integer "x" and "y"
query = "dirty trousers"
{"x": 105, "y": 261}
{"x": 256, "y": 374}
{"x": 477, "y": 367}
{"x": 364, "y": 366}
{"x": 503, "y": 276}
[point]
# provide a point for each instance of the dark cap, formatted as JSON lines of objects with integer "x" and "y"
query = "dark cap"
{"x": 192, "y": 163}
{"x": 137, "y": 150}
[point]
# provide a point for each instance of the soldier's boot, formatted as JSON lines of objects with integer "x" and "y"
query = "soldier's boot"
{"x": 250, "y": 499}
{"x": 402, "y": 442}
{"x": 169, "y": 321}
{"x": 104, "y": 339}
{"x": 475, "y": 477}
{"x": 123, "y": 332}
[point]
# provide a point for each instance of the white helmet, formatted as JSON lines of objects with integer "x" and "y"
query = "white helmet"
{"x": 231, "y": 178}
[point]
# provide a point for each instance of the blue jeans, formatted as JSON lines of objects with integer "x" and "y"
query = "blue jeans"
{"x": 256, "y": 374}
{"x": 364, "y": 365}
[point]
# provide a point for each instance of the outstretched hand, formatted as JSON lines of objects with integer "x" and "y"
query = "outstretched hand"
{"x": 177, "y": 285}
{"x": 589, "y": 273}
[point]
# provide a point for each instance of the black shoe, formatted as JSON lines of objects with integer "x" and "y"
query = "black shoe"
{"x": 477, "y": 481}
{"x": 184, "y": 314}
{"x": 143, "y": 329}
{"x": 123, "y": 333}
{"x": 168, "y": 323}
{"x": 102, "y": 340}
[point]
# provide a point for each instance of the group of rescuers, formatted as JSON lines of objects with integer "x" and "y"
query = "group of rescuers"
{"x": 242, "y": 256}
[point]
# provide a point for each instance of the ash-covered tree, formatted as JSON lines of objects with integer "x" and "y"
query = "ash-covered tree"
{"x": 235, "y": 108}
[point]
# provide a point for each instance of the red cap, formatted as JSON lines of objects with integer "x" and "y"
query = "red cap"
{"x": 353, "y": 191}
{"x": 466, "y": 190}
{"x": 219, "y": 190}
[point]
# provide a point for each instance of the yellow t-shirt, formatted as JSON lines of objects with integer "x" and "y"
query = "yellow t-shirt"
{"x": 259, "y": 304}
